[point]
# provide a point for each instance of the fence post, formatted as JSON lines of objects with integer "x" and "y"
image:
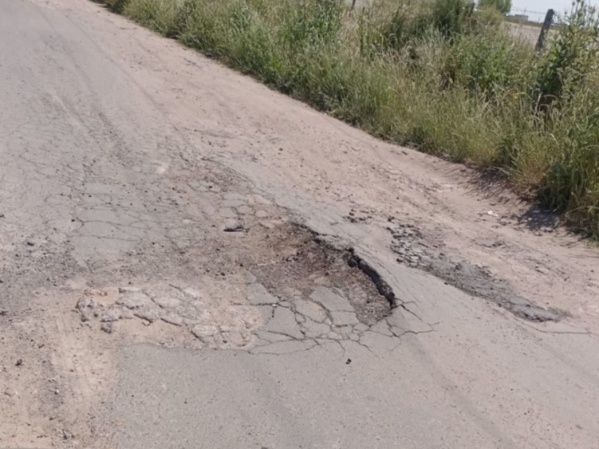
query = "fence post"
{"x": 353, "y": 4}
{"x": 545, "y": 28}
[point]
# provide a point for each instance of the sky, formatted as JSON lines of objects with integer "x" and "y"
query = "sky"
{"x": 541, "y": 6}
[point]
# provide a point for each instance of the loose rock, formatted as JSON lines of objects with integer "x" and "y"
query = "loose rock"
{"x": 233, "y": 226}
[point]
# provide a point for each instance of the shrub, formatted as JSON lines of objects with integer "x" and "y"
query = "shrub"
{"x": 571, "y": 57}
{"x": 486, "y": 63}
{"x": 503, "y": 6}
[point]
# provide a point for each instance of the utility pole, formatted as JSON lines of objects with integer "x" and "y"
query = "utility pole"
{"x": 545, "y": 29}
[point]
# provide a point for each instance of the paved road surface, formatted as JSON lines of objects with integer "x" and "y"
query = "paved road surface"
{"x": 190, "y": 260}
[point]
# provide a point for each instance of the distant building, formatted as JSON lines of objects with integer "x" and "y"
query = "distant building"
{"x": 520, "y": 17}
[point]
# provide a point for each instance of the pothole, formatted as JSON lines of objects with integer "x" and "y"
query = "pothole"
{"x": 296, "y": 262}
{"x": 412, "y": 250}
{"x": 289, "y": 265}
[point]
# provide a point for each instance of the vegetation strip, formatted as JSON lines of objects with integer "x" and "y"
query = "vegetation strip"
{"x": 439, "y": 75}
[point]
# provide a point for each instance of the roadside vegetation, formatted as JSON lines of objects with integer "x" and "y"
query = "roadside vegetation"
{"x": 438, "y": 75}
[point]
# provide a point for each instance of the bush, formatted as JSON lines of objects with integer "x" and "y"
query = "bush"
{"x": 413, "y": 20}
{"x": 572, "y": 56}
{"x": 503, "y": 6}
{"x": 486, "y": 63}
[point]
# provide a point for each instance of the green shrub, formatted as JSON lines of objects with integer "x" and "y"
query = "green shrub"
{"x": 570, "y": 58}
{"x": 311, "y": 22}
{"x": 451, "y": 17}
{"x": 413, "y": 19}
{"x": 503, "y": 6}
{"x": 488, "y": 63}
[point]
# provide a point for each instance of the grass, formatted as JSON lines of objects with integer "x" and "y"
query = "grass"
{"x": 437, "y": 75}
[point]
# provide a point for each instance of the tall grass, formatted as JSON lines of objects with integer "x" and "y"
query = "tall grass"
{"x": 437, "y": 75}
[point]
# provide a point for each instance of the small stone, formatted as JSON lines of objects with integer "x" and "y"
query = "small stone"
{"x": 19, "y": 362}
{"x": 233, "y": 226}
{"x": 108, "y": 327}
{"x": 30, "y": 243}
{"x": 262, "y": 214}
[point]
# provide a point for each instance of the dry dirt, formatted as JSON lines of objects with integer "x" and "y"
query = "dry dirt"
{"x": 526, "y": 32}
{"x": 150, "y": 196}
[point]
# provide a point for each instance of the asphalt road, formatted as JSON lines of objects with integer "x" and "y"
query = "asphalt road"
{"x": 189, "y": 260}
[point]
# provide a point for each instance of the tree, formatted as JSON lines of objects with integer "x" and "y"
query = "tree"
{"x": 503, "y": 6}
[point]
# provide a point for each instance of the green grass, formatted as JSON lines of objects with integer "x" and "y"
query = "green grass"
{"x": 436, "y": 75}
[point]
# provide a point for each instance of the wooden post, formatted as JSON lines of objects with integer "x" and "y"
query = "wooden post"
{"x": 353, "y": 4}
{"x": 471, "y": 9}
{"x": 545, "y": 29}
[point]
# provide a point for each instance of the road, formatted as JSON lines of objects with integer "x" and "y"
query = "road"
{"x": 191, "y": 260}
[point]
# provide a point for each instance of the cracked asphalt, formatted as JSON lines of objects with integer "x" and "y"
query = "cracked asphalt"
{"x": 190, "y": 260}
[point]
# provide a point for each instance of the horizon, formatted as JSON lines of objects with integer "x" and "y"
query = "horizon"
{"x": 536, "y": 9}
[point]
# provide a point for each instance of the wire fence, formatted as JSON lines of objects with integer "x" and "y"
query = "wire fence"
{"x": 536, "y": 16}
{"x": 528, "y": 15}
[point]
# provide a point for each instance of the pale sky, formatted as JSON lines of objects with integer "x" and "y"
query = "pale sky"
{"x": 542, "y": 6}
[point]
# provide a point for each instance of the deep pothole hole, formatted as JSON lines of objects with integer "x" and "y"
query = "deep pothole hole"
{"x": 295, "y": 261}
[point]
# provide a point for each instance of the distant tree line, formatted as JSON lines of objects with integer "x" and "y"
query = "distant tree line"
{"x": 503, "y": 6}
